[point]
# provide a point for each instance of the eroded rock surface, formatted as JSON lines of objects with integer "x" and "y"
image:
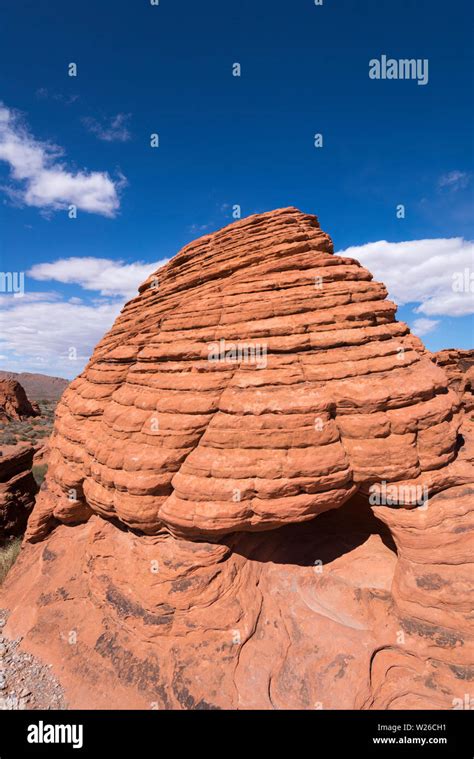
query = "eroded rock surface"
{"x": 459, "y": 367}
{"x": 17, "y": 489}
{"x": 14, "y": 403}
{"x": 335, "y": 394}
{"x": 258, "y": 381}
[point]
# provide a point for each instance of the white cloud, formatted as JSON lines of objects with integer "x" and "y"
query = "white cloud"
{"x": 43, "y": 181}
{"x": 116, "y": 130}
{"x": 38, "y": 330}
{"x": 110, "y": 278}
{"x": 423, "y": 326}
{"x": 422, "y": 272}
{"x": 454, "y": 180}
{"x": 29, "y": 297}
{"x": 38, "y": 336}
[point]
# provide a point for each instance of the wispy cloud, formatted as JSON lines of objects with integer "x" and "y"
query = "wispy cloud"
{"x": 199, "y": 228}
{"x": 422, "y": 272}
{"x": 454, "y": 180}
{"x": 43, "y": 93}
{"x": 114, "y": 130}
{"x": 423, "y": 326}
{"x": 40, "y": 179}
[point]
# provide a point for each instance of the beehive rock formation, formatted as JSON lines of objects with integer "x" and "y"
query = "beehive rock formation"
{"x": 258, "y": 381}
{"x": 17, "y": 489}
{"x": 14, "y": 403}
{"x": 334, "y": 392}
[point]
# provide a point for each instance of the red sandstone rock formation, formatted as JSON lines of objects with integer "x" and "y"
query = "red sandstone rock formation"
{"x": 459, "y": 366}
{"x": 17, "y": 489}
{"x": 14, "y": 403}
{"x": 455, "y": 363}
{"x": 258, "y": 381}
{"x": 38, "y": 386}
{"x": 467, "y": 391}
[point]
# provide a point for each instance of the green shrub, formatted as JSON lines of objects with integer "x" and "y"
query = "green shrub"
{"x": 39, "y": 472}
{"x": 8, "y": 440}
{"x": 8, "y": 555}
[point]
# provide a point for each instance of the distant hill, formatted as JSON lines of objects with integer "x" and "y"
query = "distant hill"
{"x": 38, "y": 386}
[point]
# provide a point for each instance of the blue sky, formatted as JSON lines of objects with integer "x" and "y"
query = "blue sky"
{"x": 227, "y": 140}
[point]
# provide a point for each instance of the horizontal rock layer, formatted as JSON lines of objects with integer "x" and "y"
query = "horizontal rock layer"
{"x": 17, "y": 489}
{"x": 257, "y": 380}
{"x": 459, "y": 367}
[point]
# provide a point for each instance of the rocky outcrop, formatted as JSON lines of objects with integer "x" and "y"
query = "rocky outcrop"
{"x": 288, "y": 388}
{"x": 17, "y": 489}
{"x": 455, "y": 363}
{"x": 459, "y": 367}
{"x": 287, "y": 618}
{"x": 14, "y": 403}
{"x": 257, "y": 382}
{"x": 41, "y": 454}
{"x": 38, "y": 387}
{"x": 467, "y": 391}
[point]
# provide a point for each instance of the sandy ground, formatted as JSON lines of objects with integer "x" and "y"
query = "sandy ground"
{"x": 25, "y": 682}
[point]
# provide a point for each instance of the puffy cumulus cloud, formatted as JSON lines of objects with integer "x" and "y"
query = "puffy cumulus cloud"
{"x": 104, "y": 275}
{"x": 40, "y": 179}
{"x": 434, "y": 274}
{"x": 38, "y": 335}
{"x": 114, "y": 130}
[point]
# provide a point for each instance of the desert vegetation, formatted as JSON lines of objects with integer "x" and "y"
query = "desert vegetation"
{"x": 32, "y": 430}
{"x": 8, "y": 555}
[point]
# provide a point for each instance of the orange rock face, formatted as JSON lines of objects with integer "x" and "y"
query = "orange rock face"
{"x": 258, "y": 381}
{"x": 459, "y": 366}
{"x": 14, "y": 403}
{"x": 17, "y": 489}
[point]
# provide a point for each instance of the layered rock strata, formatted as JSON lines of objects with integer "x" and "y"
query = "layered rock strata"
{"x": 459, "y": 367}
{"x": 17, "y": 489}
{"x": 14, "y": 403}
{"x": 258, "y": 381}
